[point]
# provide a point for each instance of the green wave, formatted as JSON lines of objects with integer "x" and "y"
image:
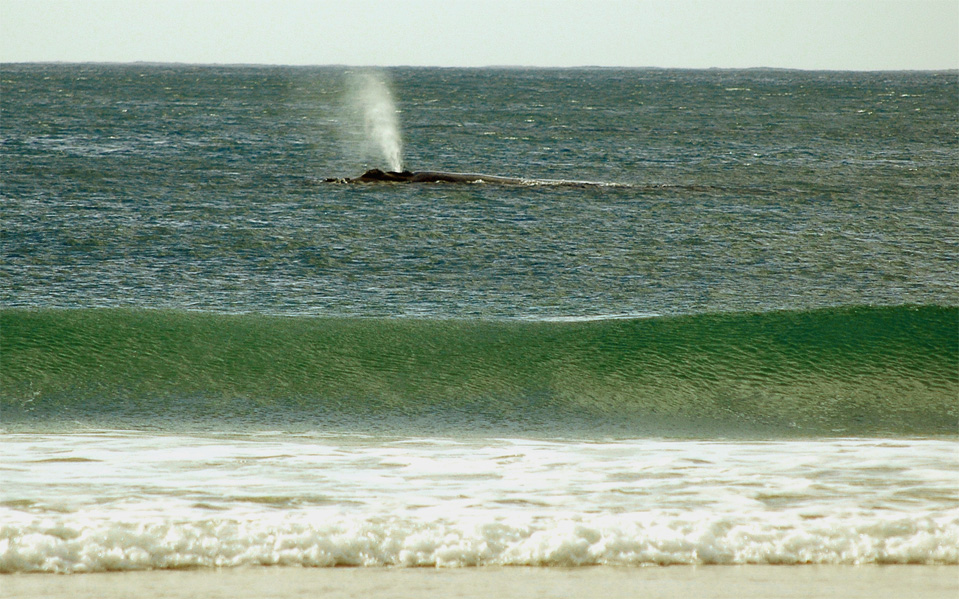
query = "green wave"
{"x": 858, "y": 371}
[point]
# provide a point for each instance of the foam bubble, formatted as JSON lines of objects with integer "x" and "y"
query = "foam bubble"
{"x": 64, "y": 545}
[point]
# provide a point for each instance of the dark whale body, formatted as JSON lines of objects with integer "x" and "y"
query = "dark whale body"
{"x": 377, "y": 176}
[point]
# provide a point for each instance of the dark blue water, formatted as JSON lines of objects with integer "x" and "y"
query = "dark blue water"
{"x": 199, "y": 188}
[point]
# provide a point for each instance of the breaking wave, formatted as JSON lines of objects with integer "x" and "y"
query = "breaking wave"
{"x": 865, "y": 370}
{"x": 50, "y": 545}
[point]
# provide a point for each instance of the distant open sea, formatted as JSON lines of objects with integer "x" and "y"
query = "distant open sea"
{"x": 735, "y": 341}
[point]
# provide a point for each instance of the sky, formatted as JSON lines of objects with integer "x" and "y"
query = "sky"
{"x": 803, "y": 34}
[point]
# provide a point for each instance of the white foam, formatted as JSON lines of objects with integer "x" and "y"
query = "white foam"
{"x": 59, "y": 545}
{"x": 592, "y": 317}
{"x": 109, "y": 500}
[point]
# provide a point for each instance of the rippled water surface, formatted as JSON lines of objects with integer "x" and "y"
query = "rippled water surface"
{"x": 199, "y": 188}
{"x": 735, "y": 346}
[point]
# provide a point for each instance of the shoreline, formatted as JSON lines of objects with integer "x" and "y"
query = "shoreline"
{"x": 664, "y": 582}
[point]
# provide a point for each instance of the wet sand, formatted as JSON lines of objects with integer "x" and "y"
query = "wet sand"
{"x": 677, "y": 582}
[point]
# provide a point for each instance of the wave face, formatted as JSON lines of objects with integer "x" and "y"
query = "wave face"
{"x": 843, "y": 371}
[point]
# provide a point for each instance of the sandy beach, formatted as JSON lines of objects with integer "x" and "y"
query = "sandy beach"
{"x": 709, "y": 582}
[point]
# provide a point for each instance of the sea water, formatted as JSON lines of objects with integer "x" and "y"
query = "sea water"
{"x": 737, "y": 344}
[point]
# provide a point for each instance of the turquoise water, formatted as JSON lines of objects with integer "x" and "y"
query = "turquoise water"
{"x": 738, "y": 345}
{"x": 834, "y": 372}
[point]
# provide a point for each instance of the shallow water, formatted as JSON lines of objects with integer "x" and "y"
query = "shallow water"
{"x": 319, "y": 500}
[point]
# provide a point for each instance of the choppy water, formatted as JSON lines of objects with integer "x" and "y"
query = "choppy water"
{"x": 743, "y": 351}
{"x": 197, "y": 188}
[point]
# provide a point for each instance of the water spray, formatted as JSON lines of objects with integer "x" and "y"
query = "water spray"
{"x": 381, "y": 128}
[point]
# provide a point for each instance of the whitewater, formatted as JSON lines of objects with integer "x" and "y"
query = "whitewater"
{"x": 321, "y": 500}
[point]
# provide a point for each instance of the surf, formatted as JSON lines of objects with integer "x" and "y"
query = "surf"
{"x": 858, "y": 371}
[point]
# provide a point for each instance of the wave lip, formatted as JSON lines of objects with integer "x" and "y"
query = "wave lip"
{"x": 842, "y": 371}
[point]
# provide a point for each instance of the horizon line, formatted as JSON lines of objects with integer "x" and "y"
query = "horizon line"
{"x": 491, "y": 66}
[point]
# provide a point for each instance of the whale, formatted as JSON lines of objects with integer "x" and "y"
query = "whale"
{"x": 376, "y": 175}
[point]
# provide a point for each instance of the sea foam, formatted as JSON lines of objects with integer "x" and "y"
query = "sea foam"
{"x": 59, "y": 545}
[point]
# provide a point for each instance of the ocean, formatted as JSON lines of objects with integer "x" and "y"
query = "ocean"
{"x": 715, "y": 322}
